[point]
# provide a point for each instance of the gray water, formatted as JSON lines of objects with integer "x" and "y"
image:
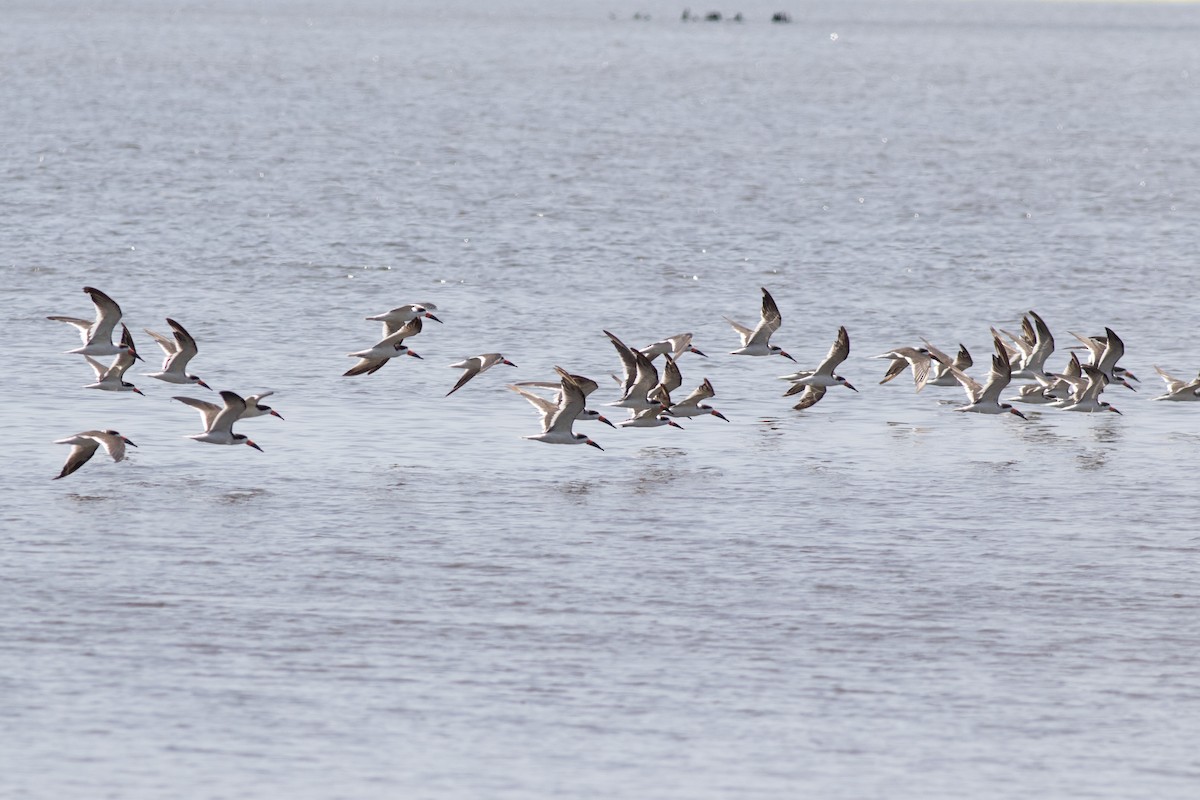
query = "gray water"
{"x": 400, "y": 597}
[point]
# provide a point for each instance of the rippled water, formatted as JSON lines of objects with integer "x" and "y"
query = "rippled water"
{"x": 402, "y": 598}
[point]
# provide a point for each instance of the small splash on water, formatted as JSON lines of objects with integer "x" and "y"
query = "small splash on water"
{"x": 995, "y": 466}
{"x": 575, "y": 491}
{"x": 656, "y": 478}
{"x": 905, "y": 430}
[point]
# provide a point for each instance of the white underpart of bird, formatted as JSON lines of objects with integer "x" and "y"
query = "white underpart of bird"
{"x": 218, "y": 420}
{"x": 757, "y": 341}
{"x": 84, "y": 446}
{"x": 648, "y": 418}
{"x": 178, "y": 351}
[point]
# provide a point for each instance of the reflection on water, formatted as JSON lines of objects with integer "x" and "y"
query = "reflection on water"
{"x": 1092, "y": 459}
{"x": 89, "y": 498}
{"x": 243, "y": 495}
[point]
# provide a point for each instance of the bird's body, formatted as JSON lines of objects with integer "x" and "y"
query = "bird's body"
{"x": 824, "y": 375}
{"x": 986, "y": 399}
{"x": 639, "y": 381}
{"x": 916, "y": 358}
{"x": 475, "y": 365}
{"x": 1054, "y": 389}
{"x": 84, "y": 446}
{"x": 1035, "y": 345}
{"x": 1178, "y": 390}
{"x": 393, "y": 319}
{"x": 1086, "y": 398}
{"x": 557, "y": 426}
{"x": 940, "y": 362}
{"x": 693, "y": 405}
{"x": 670, "y": 380}
{"x": 547, "y": 408}
{"x": 1105, "y": 352}
{"x": 178, "y": 351}
{"x": 112, "y": 377}
{"x": 648, "y": 418}
{"x": 97, "y": 334}
{"x": 218, "y": 420}
{"x": 673, "y": 346}
{"x": 373, "y": 358}
{"x": 255, "y": 407}
{"x": 757, "y": 341}
{"x": 1042, "y": 393}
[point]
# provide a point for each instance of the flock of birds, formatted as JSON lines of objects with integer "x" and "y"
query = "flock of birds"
{"x": 645, "y": 391}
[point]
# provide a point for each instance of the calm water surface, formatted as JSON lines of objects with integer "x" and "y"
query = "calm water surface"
{"x": 401, "y": 598}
